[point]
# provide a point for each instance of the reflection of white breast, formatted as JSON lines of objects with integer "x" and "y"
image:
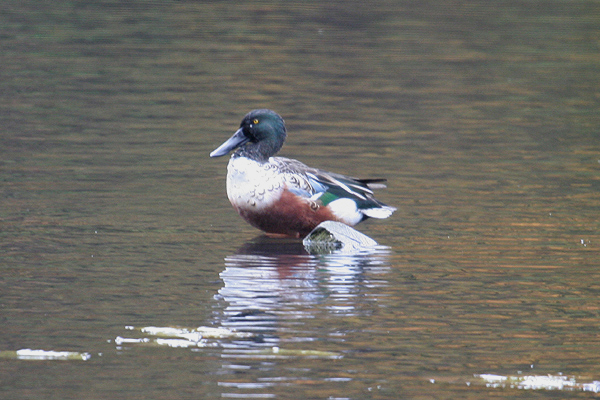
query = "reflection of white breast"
{"x": 251, "y": 184}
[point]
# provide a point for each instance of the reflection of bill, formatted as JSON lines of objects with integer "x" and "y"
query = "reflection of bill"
{"x": 274, "y": 282}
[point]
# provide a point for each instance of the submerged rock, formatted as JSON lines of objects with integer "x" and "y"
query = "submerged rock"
{"x": 329, "y": 237}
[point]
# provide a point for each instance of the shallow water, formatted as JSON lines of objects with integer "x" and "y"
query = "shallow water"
{"x": 484, "y": 119}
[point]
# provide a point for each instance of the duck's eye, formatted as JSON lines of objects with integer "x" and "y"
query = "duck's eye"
{"x": 255, "y": 121}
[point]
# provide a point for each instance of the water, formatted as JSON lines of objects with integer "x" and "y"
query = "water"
{"x": 483, "y": 118}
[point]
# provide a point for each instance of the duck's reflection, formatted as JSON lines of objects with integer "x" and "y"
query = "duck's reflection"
{"x": 274, "y": 284}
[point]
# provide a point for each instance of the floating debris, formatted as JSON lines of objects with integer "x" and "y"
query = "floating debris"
{"x": 538, "y": 382}
{"x": 182, "y": 337}
{"x": 121, "y": 340}
{"x": 204, "y": 336}
{"x": 278, "y": 352}
{"x": 202, "y": 332}
{"x": 304, "y": 353}
{"x": 29, "y": 354}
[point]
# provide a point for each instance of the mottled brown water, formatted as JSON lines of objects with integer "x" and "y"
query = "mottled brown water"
{"x": 484, "y": 117}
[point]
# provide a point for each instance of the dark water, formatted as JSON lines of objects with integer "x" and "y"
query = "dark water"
{"x": 483, "y": 117}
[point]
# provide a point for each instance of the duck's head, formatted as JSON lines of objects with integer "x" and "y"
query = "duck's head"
{"x": 261, "y": 135}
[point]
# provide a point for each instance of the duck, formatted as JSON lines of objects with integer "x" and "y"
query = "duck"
{"x": 284, "y": 197}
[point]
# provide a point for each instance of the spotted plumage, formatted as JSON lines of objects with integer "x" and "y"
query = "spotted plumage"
{"x": 283, "y": 196}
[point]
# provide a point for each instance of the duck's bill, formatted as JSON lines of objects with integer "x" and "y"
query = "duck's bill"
{"x": 232, "y": 143}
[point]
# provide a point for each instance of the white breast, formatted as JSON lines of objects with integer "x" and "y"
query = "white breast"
{"x": 252, "y": 185}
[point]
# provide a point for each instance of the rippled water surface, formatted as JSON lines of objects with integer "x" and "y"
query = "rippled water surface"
{"x": 482, "y": 116}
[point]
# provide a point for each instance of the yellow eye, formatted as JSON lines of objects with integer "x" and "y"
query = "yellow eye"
{"x": 255, "y": 121}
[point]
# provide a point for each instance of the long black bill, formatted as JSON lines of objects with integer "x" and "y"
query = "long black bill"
{"x": 232, "y": 143}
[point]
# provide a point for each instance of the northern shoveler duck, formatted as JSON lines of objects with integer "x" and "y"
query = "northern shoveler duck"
{"x": 283, "y": 196}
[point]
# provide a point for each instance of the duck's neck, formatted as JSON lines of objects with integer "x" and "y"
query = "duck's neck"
{"x": 253, "y": 152}
{"x": 260, "y": 151}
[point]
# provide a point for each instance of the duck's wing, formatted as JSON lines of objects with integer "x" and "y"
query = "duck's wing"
{"x": 327, "y": 187}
